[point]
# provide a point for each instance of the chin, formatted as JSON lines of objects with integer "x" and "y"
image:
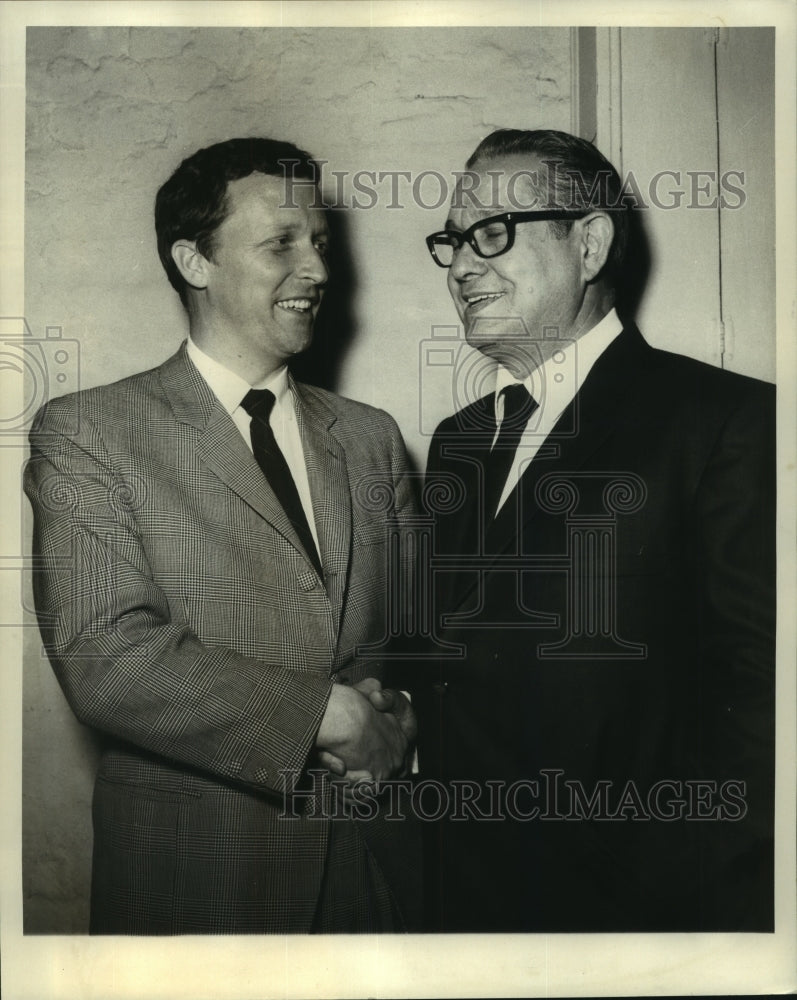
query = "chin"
{"x": 296, "y": 341}
{"x": 484, "y": 334}
{"x": 517, "y": 357}
{"x": 488, "y": 348}
{"x": 477, "y": 334}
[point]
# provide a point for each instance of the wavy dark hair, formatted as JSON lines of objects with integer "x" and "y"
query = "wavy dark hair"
{"x": 193, "y": 203}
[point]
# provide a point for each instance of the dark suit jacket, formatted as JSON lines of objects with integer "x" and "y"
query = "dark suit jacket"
{"x": 185, "y": 622}
{"x": 617, "y": 637}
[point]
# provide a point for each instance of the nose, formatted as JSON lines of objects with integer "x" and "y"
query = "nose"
{"x": 466, "y": 262}
{"x": 313, "y": 266}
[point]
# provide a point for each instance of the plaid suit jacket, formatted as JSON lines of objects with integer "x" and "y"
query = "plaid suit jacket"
{"x": 184, "y": 621}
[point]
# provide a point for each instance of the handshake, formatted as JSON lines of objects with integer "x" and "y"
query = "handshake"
{"x": 367, "y": 733}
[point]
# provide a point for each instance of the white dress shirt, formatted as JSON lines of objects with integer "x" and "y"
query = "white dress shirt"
{"x": 230, "y": 389}
{"x": 553, "y": 385}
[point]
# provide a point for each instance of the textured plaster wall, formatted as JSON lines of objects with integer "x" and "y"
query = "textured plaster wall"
{"x": 111, "y": 111}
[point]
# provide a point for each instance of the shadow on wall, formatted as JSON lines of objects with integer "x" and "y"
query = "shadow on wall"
{"x": 636, "y": 268}
{"x": 335, "y": 327}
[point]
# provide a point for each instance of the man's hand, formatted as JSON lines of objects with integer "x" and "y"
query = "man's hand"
{"x": 399, "y": 705}
{"x": 383, "y": 700}
{"x": 358, "y": 739}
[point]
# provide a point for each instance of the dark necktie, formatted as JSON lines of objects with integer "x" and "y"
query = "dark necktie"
{"x": 258, "y": 403}
{"x": 518, "y": 407}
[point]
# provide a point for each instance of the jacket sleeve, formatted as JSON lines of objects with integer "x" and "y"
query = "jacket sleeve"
{"x": 126, "y": 667}
{"x": 734, "y": 556}
{"x": 734, "y": 553}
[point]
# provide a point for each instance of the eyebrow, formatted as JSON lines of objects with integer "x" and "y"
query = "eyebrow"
{"x": 283, "y": 227}
{"x": 288, "y": 229}
{"x": 450, "y": 227}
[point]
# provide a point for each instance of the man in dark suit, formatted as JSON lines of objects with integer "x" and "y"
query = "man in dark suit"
{"x": 601, "y": 708}
{"x": 209, "y": 563}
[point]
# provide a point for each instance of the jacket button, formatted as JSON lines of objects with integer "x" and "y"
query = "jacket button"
{"x": 440, "y": 688}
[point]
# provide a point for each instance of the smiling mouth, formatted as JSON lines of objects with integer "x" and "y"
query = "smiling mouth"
{"x": 472, "y": 301}
{"x": 296, "y": 305}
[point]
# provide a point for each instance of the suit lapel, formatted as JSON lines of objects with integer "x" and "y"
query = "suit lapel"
{"x": 219, "y": 444}
{"x": 589, "y": 419}
{"x": 327, "y": 474}
{"x": 592, "y": 416}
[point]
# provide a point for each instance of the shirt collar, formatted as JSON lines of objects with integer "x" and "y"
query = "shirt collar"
{"x": 230, "y": 388}
{"x": 555, "y": 383}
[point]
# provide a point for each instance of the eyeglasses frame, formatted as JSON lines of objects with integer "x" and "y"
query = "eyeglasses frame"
{"x": 510, "y": 219}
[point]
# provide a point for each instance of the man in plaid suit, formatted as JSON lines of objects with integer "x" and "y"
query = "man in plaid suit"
{"x": 206, "y": 629}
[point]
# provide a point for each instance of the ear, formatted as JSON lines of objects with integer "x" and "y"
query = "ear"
{"x": 190, "y": 263}
{"x": 598, "y": 235}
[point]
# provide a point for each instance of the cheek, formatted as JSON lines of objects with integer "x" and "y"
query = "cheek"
{"x": 454, "y": 291}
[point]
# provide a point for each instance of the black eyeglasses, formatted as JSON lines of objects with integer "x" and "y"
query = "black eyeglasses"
{"x": 490, "y": 237}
